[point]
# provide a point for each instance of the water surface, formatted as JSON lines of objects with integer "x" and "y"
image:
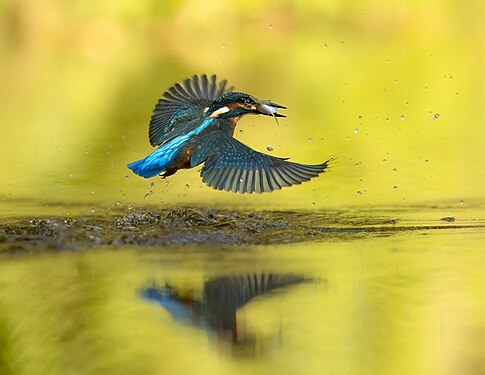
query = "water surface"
{"x": 193, "y": 290}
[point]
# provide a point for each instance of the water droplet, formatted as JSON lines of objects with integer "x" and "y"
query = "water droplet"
{"x": 407, "y": 103}
{"x": 93, "y": 210}
{"x": 387, "y": 118}
{"x": 394, "y": 187}
{"x": 187, "y": 186}
{"x": 310, "y": 140}
{"x": 402, "y": 117}
{"x": 325, "y": 45}
{"x": 426, "y": 160}
{"x": 118, "y": 203}
{"x": 388, "y": 61}
{"x": 223, "y": 45}
{"x": 93, "y": 192}
{"x": 435, "y": 116}
{"x": 359, "y": 192}
{"x": 241, "y": 131}
{"x": 313, "y": 203}
{"x": 396, "y": 81}
{"x": 461, "y": 202}
{"x": 269, "y": 148}
{"x": 358, "y": 164}
{"x": 394, "y": 169}
{"x": 359, "y": 117}
{"x": 356, "y": 131}
{"x": 270, "y": 26}
{"x": 147, "y": 196}
{"x": 152, "y": 185}
{"x": 426, "y": 88}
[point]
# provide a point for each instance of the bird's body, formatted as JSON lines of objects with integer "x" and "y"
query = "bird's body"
{"x": 221, "y": 297}
{"x": 194, "y": 123}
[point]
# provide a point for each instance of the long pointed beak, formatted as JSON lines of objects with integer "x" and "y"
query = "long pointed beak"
{"x": 269, "y": 108}
{"x": 276, "y": 105}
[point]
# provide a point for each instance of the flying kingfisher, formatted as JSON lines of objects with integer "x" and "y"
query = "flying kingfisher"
{"x": 194, "y": 123}
{"x": 216, "y": 308}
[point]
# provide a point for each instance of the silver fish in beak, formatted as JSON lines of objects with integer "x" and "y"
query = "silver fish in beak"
{"x": 269, "y": 108}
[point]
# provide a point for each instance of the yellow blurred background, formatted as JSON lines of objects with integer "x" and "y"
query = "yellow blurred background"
{"x": 394, "y": 90}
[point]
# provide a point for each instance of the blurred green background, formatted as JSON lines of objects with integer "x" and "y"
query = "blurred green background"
{"x": 394, "y": 90}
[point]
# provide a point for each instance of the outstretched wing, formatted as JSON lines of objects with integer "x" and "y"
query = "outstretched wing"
{"x": 183, "y": 102}
{"x": 236, "y": 167}
{"x": 227, "y": 293}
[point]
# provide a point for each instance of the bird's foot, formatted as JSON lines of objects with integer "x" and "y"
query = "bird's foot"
{"x": 168, "y": 173}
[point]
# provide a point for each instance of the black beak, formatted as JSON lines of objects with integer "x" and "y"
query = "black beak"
{"x": 276, "y": 105}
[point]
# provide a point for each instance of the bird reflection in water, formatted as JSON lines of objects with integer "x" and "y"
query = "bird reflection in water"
{"x": 216, "y": 311}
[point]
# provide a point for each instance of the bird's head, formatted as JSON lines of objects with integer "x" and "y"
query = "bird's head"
{"x": 237, "y": 104}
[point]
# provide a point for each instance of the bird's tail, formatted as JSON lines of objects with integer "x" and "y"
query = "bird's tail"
{"x": 159, "y": 160}
{"x": 148, "y": 167}
{"x": 139, "y": 168}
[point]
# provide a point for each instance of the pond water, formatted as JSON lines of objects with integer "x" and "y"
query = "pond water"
{"x": 193, "y": 290}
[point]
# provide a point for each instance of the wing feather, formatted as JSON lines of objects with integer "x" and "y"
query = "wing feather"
{"x": 235, "y": 167}
{"x": 184, "y": 102}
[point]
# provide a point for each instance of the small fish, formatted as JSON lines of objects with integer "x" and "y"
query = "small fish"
{"x": 271, "y": 109}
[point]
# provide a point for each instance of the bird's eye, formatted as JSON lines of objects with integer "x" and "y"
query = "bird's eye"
{"x": 248, "y": 102}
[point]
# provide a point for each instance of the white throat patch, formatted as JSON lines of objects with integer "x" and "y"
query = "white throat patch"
{"x": 220, "y": 111}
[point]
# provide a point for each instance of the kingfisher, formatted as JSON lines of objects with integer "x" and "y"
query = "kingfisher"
{"x": 216, "y": 308}
{"x": 194, "y": 123}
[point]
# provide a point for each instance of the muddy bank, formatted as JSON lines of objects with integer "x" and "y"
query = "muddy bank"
{"x": 143, "y": 227}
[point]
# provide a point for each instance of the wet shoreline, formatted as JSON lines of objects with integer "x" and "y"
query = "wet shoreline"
{"x": 186, "y": 226}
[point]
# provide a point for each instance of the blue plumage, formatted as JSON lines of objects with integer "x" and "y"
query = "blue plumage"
{"x": 152, "y": 165}
{"x": 194, "y": 123}
{"x": 163, "y": 157}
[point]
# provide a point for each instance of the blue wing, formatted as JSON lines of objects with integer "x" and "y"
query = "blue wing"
{"x": 235, "y": 167}
{"x": 183, "y": 103}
